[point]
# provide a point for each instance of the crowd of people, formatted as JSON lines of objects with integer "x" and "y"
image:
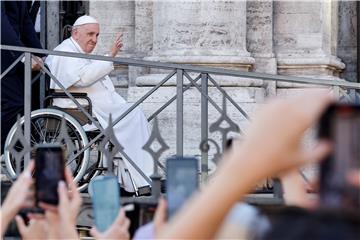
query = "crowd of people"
{"x": 215, "y": 212}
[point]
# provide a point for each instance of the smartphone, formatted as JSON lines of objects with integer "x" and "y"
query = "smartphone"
{"x": 182, "y": 180}
{"x": 105, "y": 194}
{"x": 340, "y": 124}
{"x": 49, "y": 170}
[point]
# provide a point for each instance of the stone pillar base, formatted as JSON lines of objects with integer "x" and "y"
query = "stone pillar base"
{"x": 242, "y": 63}
{"x": 321, "y": 67}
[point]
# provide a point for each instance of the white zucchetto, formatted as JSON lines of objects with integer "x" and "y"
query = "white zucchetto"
{"x": 84, "y": 20}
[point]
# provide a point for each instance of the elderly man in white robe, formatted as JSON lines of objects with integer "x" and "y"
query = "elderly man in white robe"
{"x": 91, "y": 76}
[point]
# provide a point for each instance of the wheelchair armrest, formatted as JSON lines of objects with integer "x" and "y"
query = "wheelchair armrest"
{"x": 74, "y": 94}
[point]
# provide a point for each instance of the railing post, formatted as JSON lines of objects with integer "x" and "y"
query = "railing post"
{"x": 204, "y": 125}
{"x": 43, "y": 27}
{"x": 179, "y": 112}
{"x": 27, "y": 103}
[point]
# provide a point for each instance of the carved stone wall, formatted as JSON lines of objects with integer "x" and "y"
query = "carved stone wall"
{"x": 211, "y": 33}
{"x": 305, "y": 36}
{"x": 302, "y": 38}
{"x": 313, "y": 38}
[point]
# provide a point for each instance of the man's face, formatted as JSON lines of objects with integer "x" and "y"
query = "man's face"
{"x": 86, "y": 36}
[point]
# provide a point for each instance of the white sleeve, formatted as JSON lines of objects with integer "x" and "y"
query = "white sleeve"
{"x": 93, "y": 72}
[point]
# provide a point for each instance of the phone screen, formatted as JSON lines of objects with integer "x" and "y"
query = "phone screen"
{"x": 181, "y": 182}
{"x": 49, "y": 170}
{"x": 341, "y": 125}
{"x": 106, "y": 201}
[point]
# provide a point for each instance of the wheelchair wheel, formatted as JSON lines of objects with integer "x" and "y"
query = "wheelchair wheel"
{"x": 45, "y": 128}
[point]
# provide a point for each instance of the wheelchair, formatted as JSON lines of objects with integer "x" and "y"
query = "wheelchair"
{"x": 45, "y": 128}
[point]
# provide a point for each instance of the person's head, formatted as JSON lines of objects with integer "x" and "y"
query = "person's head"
{"x": 85, "y": 32}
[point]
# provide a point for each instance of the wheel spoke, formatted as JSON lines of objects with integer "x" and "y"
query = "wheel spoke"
{"x": 41, "y": 127}
{"x": 56, "y": 132}
{"x": 35, "y": 127}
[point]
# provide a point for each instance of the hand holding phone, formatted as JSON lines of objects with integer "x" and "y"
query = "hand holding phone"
{"x": 182, "y": 181}
{"x": 49, "y": 170}
{"x": 105, "y": 195}
{"x": 341, "y": 125}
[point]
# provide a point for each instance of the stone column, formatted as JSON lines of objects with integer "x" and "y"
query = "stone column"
{"x": 52, "y": 24}
{"x": 305, "y": 37}
{"x": 143, "y": 37}
{"x": 211, "y": 33}
{"x": 347, "y": 39}
{"x": 260, "y": 39}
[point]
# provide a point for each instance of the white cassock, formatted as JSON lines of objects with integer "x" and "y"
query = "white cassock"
{"x": 91, "y": 76}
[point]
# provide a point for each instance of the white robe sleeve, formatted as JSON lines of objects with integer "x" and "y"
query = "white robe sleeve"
{"x": 93, "y": 71}
{"x": 77, "y": 72}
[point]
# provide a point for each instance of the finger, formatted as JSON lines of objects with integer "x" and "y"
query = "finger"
{"x": 313, "y": 186}
{"x": 313, "y": 104}
{"x": 120, "y": 218}
{"x": 25, "y": 177}
{"x": 126, "y": 224}
{"x": 68, "y": 177}
{"x": 48, "y": 207}
{"x": 30, "y": 199}
{"x": 20, "y": 224}
{"x": 70, "y": 182}
{"x": 28, "y": 203}
{"x": 160, "y": 215}
{"x": 36, "y": 216}
{"x": 119, "y": 36}
{"x": 76, "y": 202}
{"x": 74, "y": 193}
{"x": 30, "y": 167}
{"x": 94, "y": 233}
{"x": 75, "y": 197}
{"x": 63, "y": 196}
{"x": 354, "y": 178}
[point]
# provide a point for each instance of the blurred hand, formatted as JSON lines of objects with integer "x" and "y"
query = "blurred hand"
{"x": 118, "y": 230}
{"x": 117, "y": 45}
{"x": 67, "y": 210}
{"x": 37, "y": 229}
{"x": 36, "y": 66}
{"x": 354, "y": 178}
{"x": 279, "y": 128}
{"x": 54, "y": 228}
{"x": 70, "y": 202}
{"x": 20, "y": 194}
{"x": 295, "y": 191}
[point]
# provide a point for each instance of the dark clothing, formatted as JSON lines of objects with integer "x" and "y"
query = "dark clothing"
{"x": 33, "y": 10}
{"x": 17, "y": 30}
